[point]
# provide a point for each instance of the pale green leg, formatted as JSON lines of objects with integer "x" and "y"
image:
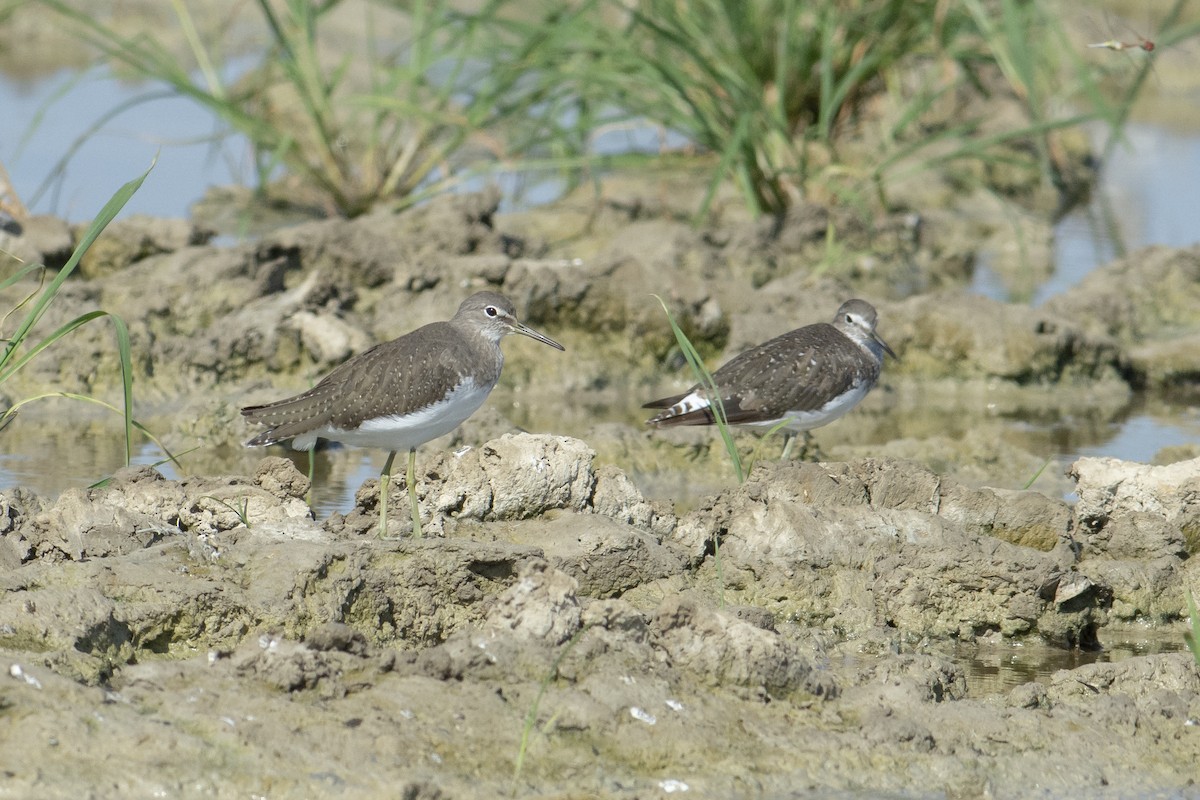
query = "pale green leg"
{"x": 312, "y": 470}
{"x": 807, "y": 450}
{"x": 384, "y": 477}
{"x": 412, "y": 491}
{"x": 789, "y": 439}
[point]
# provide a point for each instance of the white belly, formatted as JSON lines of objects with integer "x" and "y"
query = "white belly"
{"x": 807, "y": 420}
{"x": 405, "y": 432}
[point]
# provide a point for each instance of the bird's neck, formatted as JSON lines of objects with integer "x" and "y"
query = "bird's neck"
{"x": 871, "y": 346}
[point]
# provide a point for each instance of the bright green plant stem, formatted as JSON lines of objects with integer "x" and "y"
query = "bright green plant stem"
{"x": 410, "y": 483}
{"x": 12, "y": 411}
{"x": 19, "y": 348}
{"x": 1192, "y": 637}
{"x": 1039, "y": 472}
{"x": 705, "y": 379}
{"x": 242, "y": 510}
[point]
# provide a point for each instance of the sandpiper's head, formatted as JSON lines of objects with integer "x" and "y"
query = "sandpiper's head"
{"x": 494, "y": 316}
{"x": 856, "y": 318}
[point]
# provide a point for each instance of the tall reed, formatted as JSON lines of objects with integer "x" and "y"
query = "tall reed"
{"x": 415, "y": 110}
{"x": 773, "y": 94}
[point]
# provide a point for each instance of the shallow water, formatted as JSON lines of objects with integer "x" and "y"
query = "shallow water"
{"x": 1138, "y": 436}
{"x": 996, "y": 669}
{"x": 1146, "y": 196}
{"x": 41, "y": 121}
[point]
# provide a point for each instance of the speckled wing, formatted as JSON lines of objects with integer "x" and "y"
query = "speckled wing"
{"x": 291, "y": 417}
{"x": 392, "y": 378}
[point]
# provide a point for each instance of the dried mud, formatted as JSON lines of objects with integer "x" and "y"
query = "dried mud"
{"x": 561, "y": 632}
{"x": 561, "y": 636}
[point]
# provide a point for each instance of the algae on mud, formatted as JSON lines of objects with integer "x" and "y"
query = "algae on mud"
{"x": 275, "y": 656}
{"x": 855, "y": 584}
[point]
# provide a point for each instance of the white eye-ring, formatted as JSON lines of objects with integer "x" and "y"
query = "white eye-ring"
{"x": 491, "y": 311}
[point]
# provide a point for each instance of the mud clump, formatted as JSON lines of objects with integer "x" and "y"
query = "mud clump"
{"x": 558, "y": 618}
{"x": 301, "y": 299}
{"x": 558, "y": 632}
{"x": 1148, "y": 302}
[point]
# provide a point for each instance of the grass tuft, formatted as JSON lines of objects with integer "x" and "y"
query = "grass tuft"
{"x": 531, "y": 714}
{"x": 772, "y": 93}
{"x": 242, "y": 509}
{"x": 419, "y": 109}
{"x": 22, "y": 346}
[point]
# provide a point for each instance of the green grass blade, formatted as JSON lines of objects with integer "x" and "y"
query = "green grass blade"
{"x": 19, "y": 275}
{"x": 1038, "y": 474}
{"x": 12, "y": 279}
{"x": 13, "y": 359}
{"x": 14, "y": 364}
{"x": 705, "y": 379}
{"x": 1192, "y": 637}
{"x": 106, "y": 215}
{"x": 199, "y": 52}
{"x": 124, "y": 352}
{"x": 173, "y": 458}
{"x": 728, "y": 164}
{"x": 531, "y": 714}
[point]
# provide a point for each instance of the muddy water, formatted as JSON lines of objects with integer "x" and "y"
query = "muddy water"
{"x": 996, "y": 669}
{"x": 1146, "y": 197}
{"x": 42, "y": 119}
{"x": 59, "y": 445}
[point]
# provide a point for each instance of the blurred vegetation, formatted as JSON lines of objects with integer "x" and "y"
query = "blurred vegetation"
{"x": 395, "y": 118}
{"x": 785, "y": 98}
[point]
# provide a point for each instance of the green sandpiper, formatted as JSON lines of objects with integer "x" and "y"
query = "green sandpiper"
{"x": 403, "y": 393}
{"x": 798, "y": 381}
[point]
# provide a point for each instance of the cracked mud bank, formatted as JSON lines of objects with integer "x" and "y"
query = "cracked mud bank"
{"x": 562, "y": 631}
{"x": 209, "y": 637}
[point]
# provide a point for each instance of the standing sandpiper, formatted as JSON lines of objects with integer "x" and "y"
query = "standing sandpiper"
{"x": 403, "y": 393}
{"x": 798, "y": 381}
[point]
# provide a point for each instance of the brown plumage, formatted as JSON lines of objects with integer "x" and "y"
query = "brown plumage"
{"x": 804, "y": 378}
{"x": 403, "y": 393}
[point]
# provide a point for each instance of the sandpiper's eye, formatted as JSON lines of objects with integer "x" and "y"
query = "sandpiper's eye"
{"x": 849, "y": 320}
{"x": 491, "y": 311}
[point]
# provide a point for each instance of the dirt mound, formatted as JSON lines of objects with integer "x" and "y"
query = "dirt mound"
{"x": 560, "y": 632}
